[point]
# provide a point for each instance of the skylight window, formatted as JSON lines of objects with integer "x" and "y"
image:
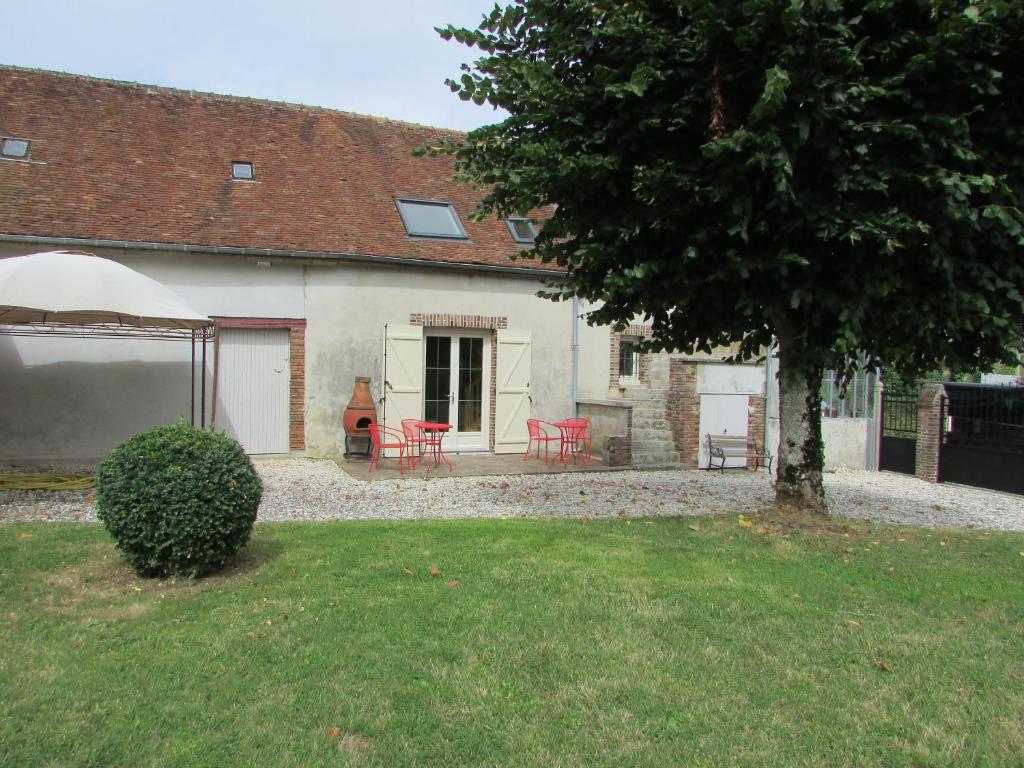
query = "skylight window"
{"x": 522, "y": 230}
{"x": 16, "y": 149}
{"x": 242, "y": 170}
{"x": 430, "y": 218}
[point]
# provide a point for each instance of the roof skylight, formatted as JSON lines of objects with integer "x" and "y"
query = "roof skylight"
{"x": 16, "y": 149}
{"x": 430, "y": 218}
{"x": 522, "y": 230}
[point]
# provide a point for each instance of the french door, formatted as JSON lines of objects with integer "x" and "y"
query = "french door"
{"x": 456, "y": 378}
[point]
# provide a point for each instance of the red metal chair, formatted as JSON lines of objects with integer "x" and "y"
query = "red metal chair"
{"x": 539, "y": 432}
{"x": 382, "y": 437}
{"x": 414, "y": 438}
{"x": 582, "y": 438}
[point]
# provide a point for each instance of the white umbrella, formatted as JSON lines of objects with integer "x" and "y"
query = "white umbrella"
{"x": 84, "y": 289}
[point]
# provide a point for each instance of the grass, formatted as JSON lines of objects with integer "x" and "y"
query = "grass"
{"x": 696, "y": 642}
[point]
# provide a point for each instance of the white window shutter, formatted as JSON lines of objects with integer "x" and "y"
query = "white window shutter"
{"x": 403, "y": 376}
{"x": 512, "y": 394}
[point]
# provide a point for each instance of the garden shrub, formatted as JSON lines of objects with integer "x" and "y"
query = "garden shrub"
{"x": 178, "y": 501}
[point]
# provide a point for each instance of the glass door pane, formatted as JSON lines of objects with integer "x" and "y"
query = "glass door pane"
{"x": 471, "y": 384}
{"x": 437, "y": 379}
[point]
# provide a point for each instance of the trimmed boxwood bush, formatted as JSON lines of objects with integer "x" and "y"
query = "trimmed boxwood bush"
{"x": 178, "y": 501}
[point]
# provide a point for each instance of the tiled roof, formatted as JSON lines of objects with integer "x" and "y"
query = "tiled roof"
{"x": 137, "y": 163}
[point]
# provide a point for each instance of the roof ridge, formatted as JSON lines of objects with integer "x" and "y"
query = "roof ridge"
{"x": 222, "y": 97}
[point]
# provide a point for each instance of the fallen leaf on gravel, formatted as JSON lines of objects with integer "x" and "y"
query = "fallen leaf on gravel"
{"x": 883, "y": 665}
{"x": 408, "y": 572}
{"x": 434, "y": 571}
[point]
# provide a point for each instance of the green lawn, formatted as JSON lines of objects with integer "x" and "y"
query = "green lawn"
{"x": 690, "y": 642}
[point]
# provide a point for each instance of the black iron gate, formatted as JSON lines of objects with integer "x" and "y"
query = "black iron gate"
{"x": 983, "y": 437}
{"x": 899, "y": 432}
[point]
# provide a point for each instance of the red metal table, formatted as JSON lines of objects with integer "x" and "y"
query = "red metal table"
{"x": 434, "y": 433}
{"x": 571, "y": 430}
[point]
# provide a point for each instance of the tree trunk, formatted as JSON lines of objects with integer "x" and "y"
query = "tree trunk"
{"x": 801, "y": 454}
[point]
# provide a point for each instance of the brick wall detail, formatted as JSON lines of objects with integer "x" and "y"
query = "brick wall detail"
{"x": 644, "y": 364}
{"x": 683, "y": 411}
{"x": 472, "y": 322}
{"x": 929, "y": 432}
{"x": 755, "y": 425}
{"x": 297, "y": 389}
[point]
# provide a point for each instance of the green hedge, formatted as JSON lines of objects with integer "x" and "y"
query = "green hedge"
{"x": 178, "y": 501}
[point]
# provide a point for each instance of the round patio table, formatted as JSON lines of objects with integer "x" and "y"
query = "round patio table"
{"x": 570, "y": 430}
{"x": 433, "y": 434}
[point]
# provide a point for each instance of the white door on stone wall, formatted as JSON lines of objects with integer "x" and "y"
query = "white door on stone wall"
{"x": 512, "y": 391}
{"x": 253, "y": 382}
{"x": 722, "y": 415}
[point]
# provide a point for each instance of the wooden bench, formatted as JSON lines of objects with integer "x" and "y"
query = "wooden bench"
{"x": 722, "y": 447}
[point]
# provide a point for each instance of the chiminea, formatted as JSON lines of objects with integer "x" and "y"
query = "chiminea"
{"x": 360, "y": 411}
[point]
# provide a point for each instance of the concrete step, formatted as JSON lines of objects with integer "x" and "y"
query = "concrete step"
{"x": 650, "y": 422}
{"x": 654, "y": 445}
{"x": 645, "y": 394}
{"x": 652, "y": 433}
{"x": 655, "y": 457}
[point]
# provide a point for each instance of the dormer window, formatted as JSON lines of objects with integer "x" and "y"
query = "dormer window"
{"x": 522, "y": 230}
{"x": 15, "y": 149}
{"x": 242, "y": 170}
{"x": 430, "y": 218}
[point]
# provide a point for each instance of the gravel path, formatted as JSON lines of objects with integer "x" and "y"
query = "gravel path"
{"x": 308, "y": 489}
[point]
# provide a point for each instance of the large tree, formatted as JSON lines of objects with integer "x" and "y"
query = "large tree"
{"x": 844, "y": 177}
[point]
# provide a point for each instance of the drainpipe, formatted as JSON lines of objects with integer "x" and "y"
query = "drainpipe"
{"x": 769, "y": 375}
{"x": 575, "y": 353}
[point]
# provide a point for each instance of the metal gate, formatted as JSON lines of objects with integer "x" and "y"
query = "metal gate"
{"x": 983, "y": 437}
{"x": 899, "y": 433}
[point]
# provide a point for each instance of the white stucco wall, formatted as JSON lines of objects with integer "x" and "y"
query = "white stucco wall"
{"x": 78, "y": 398}
{"x": 846, "y": 443}
{"x": 730, "y": 379}
{"x": 347, "y": 306}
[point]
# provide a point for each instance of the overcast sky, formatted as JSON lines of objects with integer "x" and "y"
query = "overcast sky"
{"x": 378, "y": 57}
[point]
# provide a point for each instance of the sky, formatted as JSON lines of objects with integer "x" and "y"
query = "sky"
{"x": 377, "y": 57}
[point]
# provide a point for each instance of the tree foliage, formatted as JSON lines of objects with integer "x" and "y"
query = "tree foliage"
{"x": 846, "y": 176}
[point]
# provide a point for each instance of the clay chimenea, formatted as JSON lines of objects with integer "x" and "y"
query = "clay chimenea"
{"x": 360, "y": 411}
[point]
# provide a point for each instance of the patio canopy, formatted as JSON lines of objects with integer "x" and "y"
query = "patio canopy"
{"x": 61, "y": 293}
{"x": 72, "y": 293}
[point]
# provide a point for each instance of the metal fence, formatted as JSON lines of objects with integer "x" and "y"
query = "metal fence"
{"x": 859, "y": 399}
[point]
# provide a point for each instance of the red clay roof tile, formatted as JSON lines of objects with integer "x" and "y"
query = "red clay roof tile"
{"x": 122, "y": 161}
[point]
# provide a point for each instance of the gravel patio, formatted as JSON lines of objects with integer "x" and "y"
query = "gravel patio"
{"x": 309, "y": 489}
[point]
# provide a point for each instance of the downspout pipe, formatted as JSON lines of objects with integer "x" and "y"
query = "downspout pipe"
{"x": 575, "y": 354}
{"x": 769, "y": 377}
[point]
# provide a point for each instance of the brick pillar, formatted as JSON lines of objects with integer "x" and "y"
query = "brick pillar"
{"x": 683, "y": 411}
{"x": 297, "y": 396}
{"x": 929, "y": 431}
{"x": 755, "y": 424}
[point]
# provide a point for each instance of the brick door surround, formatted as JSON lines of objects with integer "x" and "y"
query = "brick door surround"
{"x": 297, "y": 368}
{"x": 493, "y": 323}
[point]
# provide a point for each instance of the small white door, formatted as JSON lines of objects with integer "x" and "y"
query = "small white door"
{"x": 253, "y": 388}
{"x": 403, "y": 375}
{"x": 722, "y": 415}
{"x": 512, "y": 395}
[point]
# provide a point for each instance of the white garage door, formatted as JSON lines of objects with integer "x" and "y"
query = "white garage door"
{"x": 252, "y": 388}
{"x": 722, "y": 415}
